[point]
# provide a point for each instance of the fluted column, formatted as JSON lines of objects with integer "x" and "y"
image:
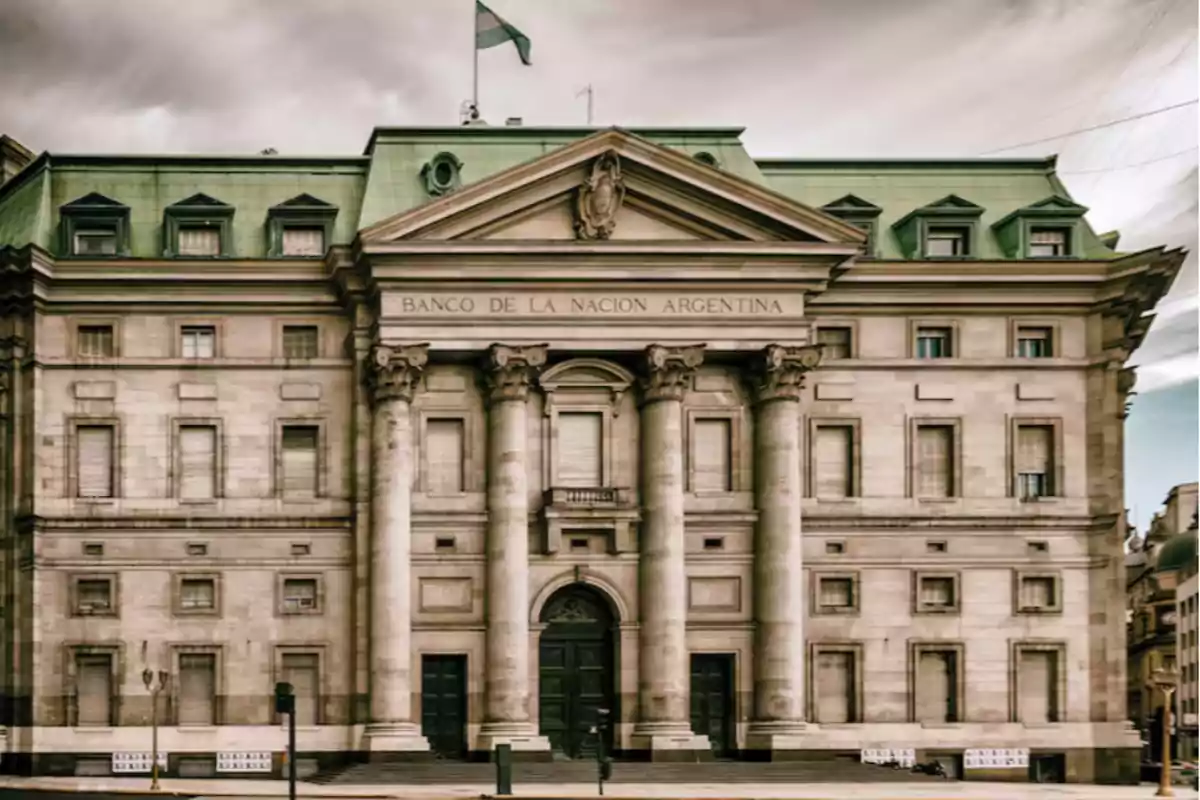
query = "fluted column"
{"x": 393, "y": 377}
{"x": 776, "y": 380}
{"x": 664, "y": 674}
{"x": 508, "y": 372}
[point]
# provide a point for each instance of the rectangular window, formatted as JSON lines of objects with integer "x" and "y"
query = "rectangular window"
{"x": 1037, "y": 686}
{"x": 935, "y": 461}
{"x": 835, "y": 594}
{"x": 301, "y": 341}
{"x": 199, "y": 241}
{"x": 197, "y": 594}
{"x": 302, "y": 671}
{"x": 94, "y": 595}
{"x": 444, "y": 448}
{"x": 947, "y": 241}
{"x": 197, "y": 341}
{"x": 299, "y": 595}
{"x": 836, "y": 342}
{"x": 580, "y": 439}
{"x": 1034, "y": 342}
{"x": 304, "y": 241}
{"x": 711, "y": 455}
{"x": 197, "y": 688}
{"x": 836, "y": 683}
{"x": 937, "y": 593}
{"x": 1037, "y": 593}
{"x": 197, "y": 462}
{"x": 1049, "y": 243}
{"x": 96, "y": 341}
{"x": 833, "y": 457}
{"x": 93, "y": 689}
{"x": 936, "y": 685}
{"x": 300, "y": 461}
{"x": 1035, "y": 461}
{"x": 94, "y": 446}
{"x": 95, "y": 243}
{"x": 934, "y": 343}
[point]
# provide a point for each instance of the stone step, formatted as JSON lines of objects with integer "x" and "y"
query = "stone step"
{"x": 449, "y": 772}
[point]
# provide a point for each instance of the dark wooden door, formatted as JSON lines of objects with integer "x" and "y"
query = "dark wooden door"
{"x": 575, "y": 673}
{"x": 712, "y": 701}
{"x": 444, "y": 704}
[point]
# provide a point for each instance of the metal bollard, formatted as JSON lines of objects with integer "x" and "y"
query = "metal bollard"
{"x": 503, "y": 769}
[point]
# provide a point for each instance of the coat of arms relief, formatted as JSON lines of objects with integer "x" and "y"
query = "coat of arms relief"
{"x": 599, "y": 199}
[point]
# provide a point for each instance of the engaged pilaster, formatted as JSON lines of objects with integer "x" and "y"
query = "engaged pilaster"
{"x": 776, "y": 379}
{"x": 664, "y": 708}
{"x": 393, "y": 377}
{"x": 508, "y": 372}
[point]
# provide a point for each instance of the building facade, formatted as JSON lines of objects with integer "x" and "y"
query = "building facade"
{"x": 1154, "y": 623}
{"x": 1188, "y": 613}
{"x": 489, "y": 429}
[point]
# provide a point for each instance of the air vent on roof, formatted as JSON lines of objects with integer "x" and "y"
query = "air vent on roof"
{"x": 513, "y": 122}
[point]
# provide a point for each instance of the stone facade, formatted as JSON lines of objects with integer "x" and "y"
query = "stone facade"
{"x": 730, "y": 472}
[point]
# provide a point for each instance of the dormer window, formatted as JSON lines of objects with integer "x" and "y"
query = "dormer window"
{"x": 442, "y": 174}
{"x": 860, "y": 213}
{"x": 947, "y": 241}
{"x": 94, "y": 226}
{"x": 1049, "y": 228}
{"x": 198, "y": 227}
{"x": 1049, "y": 242}
{"x": 944, "y": 229}
{"x": 300, "y": 228}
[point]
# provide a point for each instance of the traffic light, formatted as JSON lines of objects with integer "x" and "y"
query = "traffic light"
{"x": 285, "y": 701}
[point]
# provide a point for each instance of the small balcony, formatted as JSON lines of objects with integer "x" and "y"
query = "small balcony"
{"x": 567, "y": 509}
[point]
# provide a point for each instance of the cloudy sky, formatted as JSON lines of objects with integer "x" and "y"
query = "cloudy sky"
{"x": 805, "y": 77}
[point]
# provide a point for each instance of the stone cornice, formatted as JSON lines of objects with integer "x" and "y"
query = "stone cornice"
{"x": 667, "y": 371}
{"x": 395, "y": 371}
{"x": 510, "y": 370}
{"x": 777, "y": 373}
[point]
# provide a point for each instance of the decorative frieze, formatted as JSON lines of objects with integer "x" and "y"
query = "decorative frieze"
{"x": 667, "y": 371}
{"x": 394, "y": 372}
{"x": 509, "y": 371}
{"x": 778, "y": 371}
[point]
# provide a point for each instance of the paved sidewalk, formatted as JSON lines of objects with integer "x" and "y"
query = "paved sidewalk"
{"x": 257, "y": 789}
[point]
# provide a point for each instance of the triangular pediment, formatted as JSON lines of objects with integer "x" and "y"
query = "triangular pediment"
{"x": 94, "y": 200}
{"x": 1056, "y": 204}
{"x": 852, "y": 205}
{"x": 952, "y": 203}
{"x": 199, "y": 200}
{"x": 643, "y": 191}
{"x": 303, "y": 201}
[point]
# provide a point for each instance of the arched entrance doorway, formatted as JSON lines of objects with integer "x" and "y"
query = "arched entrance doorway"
{"x": 575, "y": 669}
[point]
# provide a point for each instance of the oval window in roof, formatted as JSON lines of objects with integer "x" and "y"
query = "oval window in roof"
{"x": 442, "y": 174}
{"x": 706, "y": 158}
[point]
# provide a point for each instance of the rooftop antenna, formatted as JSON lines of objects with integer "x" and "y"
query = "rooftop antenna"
{"x": 468, "y": 113}
{"x": 588, "y": 91}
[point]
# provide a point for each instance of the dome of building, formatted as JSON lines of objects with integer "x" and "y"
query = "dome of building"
{"x": 1178, "y": 552}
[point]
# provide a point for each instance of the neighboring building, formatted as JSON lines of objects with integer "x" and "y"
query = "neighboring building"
{"x": 1151, "y": 611}
{"x": 1177, "y": 568}
{"x": 490, "y": 428}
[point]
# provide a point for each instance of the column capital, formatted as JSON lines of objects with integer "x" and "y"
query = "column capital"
{"x": 777, "y": 372}
{"x": 666, "y": 371}
{"x": 394, "y": 372}
{"x": 509, "y": 370}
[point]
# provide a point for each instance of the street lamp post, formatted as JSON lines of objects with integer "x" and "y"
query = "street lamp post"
{"x": 1166, "y": 681}
{"x": 148, "y": 676}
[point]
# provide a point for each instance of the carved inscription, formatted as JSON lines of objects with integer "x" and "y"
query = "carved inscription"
{"x": 567, "y": 305}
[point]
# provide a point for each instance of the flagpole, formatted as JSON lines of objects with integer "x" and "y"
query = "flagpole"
{"x": 475, "y": 57}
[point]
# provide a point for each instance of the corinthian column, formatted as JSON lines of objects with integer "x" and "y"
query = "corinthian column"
{"x": 664, "y": 673}
{"x": 776, "y": 380}
{"x": 508, "y": 372}
{"x": 393, "y": 377}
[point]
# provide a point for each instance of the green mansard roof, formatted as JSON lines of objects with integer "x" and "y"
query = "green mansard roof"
{"x": 388, "y": 179}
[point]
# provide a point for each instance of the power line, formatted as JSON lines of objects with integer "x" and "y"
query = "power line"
{"x": 1130, "y": 166}
{"x": 1108, "y": 124}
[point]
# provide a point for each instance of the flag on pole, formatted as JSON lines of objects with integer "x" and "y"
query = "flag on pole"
{"x": 491, "y": 30}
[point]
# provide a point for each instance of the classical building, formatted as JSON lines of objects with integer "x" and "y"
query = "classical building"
{"x": 1187, "y": 611}
{"x": 1155, "y": 566}
{"x": 491, "y": 428}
